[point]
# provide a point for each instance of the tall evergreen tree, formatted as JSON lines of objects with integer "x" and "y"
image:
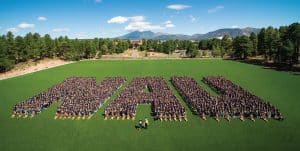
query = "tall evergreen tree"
{"x": 262, "y": 43}
{"x": 49, "y": 46}
{"x": 226, "y": 44}
{"x": 20, "y": 49}
{"x": 242, "y": 46}
{"x": 254, "y": 40}
{"x": 192, "y": 50}
{"x": 294, "y": 36}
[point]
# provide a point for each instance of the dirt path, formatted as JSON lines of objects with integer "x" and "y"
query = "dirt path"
{"x": 30, "y": 66}
{"x": 135, "y": 53}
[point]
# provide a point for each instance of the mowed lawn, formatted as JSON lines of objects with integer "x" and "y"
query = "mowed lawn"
{"x": 46, "y": 134}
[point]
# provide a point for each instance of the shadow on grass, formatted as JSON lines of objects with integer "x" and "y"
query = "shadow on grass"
{"x": 270, "y": 65}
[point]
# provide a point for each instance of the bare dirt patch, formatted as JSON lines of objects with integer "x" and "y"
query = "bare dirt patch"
{"x": 136, "y": 54}
{"x": 32, "y": 66}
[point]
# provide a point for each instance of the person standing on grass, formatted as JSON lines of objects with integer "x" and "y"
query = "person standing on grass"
{"x": 140, "y": 124}
{"x": 146, "y": 123}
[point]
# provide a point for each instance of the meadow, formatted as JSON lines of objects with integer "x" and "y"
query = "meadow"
{"x": 45, "y": 133}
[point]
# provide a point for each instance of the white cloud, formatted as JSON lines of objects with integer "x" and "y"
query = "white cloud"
{"x": 215, "y": 9}
{"x": 142, "y": 26}
{"x": 26, "y": 25}
{"x": 118, "y": 20}
{"x": 169, "y": 24}
{"x": 122, "y": 19}
{"x": 13, "y": 30}
{"x": 178, "y": 7}
{"x": 192, "y": 18}
{"x": 41, "y": 18}
{"x": 136, "y": 18}
{"x": 139, "y": 23}
{"x": 20, "y": 27}
{"x": 60, "y": 29}
{"x": 82, "y": 35}
{"x": 234, "y": 26}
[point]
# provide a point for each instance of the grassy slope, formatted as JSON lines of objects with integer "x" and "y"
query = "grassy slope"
{"x": 45, "y": 133}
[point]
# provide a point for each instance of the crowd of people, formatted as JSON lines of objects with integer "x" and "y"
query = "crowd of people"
{"x": 37, "y": 103}
{"x": 149, "y": 90}
{"x": 233, "y": 102}
{"x": 81, "y": 97}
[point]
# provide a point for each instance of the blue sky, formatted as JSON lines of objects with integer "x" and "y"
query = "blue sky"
{"x": 111, "y": 18}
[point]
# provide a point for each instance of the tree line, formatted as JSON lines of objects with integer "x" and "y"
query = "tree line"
{"x": 279, "y": 45}
{"x": 18, "y": 49}
{"x": 169, "y": 46}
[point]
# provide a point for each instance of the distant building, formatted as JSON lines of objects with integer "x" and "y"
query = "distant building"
{"x": 182, "y": 53}
{"x": 136, "y": 43}
{"x": 115, "y": 43}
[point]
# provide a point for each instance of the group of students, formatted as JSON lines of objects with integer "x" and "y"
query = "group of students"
{"x": 36, "y": 104}
{"x": 233, "y": 102}
{"x": 81, "y": 97}
{"x": 149, "y": 90}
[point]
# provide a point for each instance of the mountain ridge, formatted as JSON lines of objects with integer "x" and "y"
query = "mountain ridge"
{"x": 232, "y": 32}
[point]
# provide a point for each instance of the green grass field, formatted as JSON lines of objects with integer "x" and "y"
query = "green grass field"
{"x": 44, "y": 133}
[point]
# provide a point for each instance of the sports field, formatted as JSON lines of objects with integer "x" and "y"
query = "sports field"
{"x": 44, "y": 133}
